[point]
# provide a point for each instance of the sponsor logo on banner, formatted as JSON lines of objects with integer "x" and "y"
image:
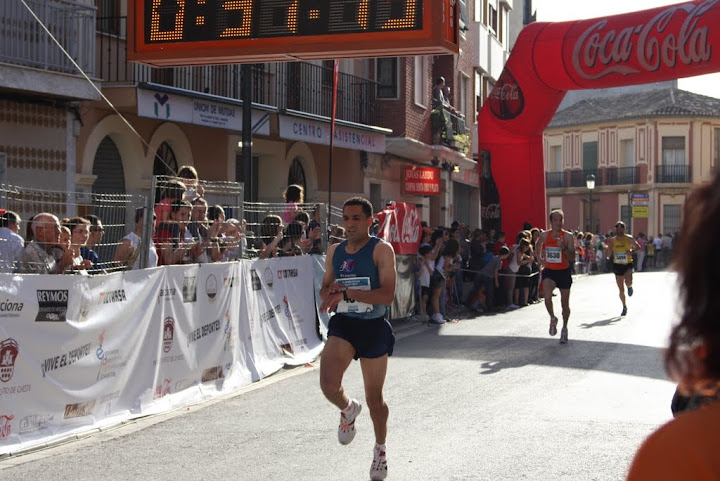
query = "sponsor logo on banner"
{"x": 10, "y": 308}
{"x": 9, "y": 350}
{"x": 168, "y": 293}
{"x": 78, "y": 410}
{"x": 203, "y": 331}
{"x": 168, "y": 333}
{"x": 112, "y": 297}
{"x": 230, "y": 281}
{"x": 506, "y": 99}
{"x": 268, "y": 276}
{"x": 661, "y": 42}
{"x": 287, "y": 273}
{"x": 189, "y": 290}
{"x": 5, "y": 426}
{"x": 211, "y": 287}
{"x": 183, "y": 384}
{"x": 212, "y": 374}
{"x": 52, "y": 305}
{"x": 110, "y": 361}
{"x": 287, "y": 349}
{"x": 288, "y": 312}
{"x": 228, "y": 333}
{"x": 255, "y": 280}
{"x": 162, "y": 389}
{"x": 62, "y": 360}
{"x": 35, "y": 423}
{"x": 271, "y": 314}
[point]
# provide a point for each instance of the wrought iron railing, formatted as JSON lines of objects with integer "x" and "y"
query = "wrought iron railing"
{"x": 578, "y": 178}
{"x": 297, "y": 86}
{"x": 23, "y": 41}
{"x": 622, "y": 175}
{"x": 554, "y": 180}
{"x": 673, "y": 174}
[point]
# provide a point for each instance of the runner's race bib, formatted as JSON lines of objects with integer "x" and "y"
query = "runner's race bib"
{"x": 621, "y": 257}
{"x": 353, "y": 306}
{"x": 553, "y": 255}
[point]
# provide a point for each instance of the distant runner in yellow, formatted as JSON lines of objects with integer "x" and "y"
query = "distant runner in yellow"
{"x": 621, "y": 248}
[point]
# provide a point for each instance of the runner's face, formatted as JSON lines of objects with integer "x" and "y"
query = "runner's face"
{"x": 620, "y": 229}
{"x": 556, "y": 221}
{"x": 356, "y": 223}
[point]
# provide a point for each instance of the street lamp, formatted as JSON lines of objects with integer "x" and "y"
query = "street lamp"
{"x": 590, "y": 183}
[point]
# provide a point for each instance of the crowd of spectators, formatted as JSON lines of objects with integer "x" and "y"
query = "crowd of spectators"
{"x": 502, "y": 276}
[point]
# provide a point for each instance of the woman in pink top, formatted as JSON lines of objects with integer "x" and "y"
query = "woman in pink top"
{"x": 293, "y": 196}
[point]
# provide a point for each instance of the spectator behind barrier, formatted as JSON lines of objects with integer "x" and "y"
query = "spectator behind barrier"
{"x": 271, "y": 233}
{"x": 36, "y": 257}
{"x": 79, "y": 234}
{"x": 293, "y": 195}
{"x": 11, "y": 243}
{"x": 128, "y": 251}
{"x": 95, "y": 234}
{"x": 174, "y": 242}
{"x": 172, "y": 191}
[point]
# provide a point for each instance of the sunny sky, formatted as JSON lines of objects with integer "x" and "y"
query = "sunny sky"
{"x": 562, "y": 10}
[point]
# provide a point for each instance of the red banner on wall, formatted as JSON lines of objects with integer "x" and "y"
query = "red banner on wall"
{"x": 421, "y": 181}
{"x": 400, "y": 226}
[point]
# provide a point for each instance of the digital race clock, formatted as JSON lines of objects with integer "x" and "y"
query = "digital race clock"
{"x": 186, "y": 32}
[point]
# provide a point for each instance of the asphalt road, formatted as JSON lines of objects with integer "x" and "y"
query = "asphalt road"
{"x": 489, "y": 398}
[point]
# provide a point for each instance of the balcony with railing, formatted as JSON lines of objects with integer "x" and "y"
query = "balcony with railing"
{"x": 297, "y": 86}
{"x": 555, "y": 180}
{"x": 673, "y": 174}
{"x": 448, "y": 128}
{"x": 25, "y": 43}
{"x": 578, "y": 178}
{"x": 622, "y": 175}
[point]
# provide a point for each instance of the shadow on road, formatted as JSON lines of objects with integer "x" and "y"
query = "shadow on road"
{"x": 604, "y": 322}
{"x": 497, "y": 353}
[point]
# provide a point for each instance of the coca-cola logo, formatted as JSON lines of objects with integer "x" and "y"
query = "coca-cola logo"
{"x": 506, "y": 99}
{"x": 490, "y": 211}
{"x": 600, "y": 51}
{"x": 406, "y": 233}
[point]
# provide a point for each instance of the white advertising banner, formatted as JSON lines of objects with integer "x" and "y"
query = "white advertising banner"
{"x": 79, "y": 352}
{"x": 316, "y": 132}
{"x": 198, "y": 111}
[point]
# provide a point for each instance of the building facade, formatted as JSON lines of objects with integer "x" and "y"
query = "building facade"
{"x": 646, "y": 150}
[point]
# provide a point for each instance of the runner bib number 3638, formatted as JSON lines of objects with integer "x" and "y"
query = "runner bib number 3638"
{"x": 553, "y": 255}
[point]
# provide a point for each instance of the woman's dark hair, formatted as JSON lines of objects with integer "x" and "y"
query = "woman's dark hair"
{"x": 437, "y": 234}
{"x": 697, "y": 267}
{"x": 452, "y": 246}
{"x": 303, "y": 217}
{"x": 215, "y": 211}
{"x": 293, "y": 193}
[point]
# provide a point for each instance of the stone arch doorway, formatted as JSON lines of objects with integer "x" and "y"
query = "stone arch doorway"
{"x": 108, "y": 194}
{"x": 165, "y": 161}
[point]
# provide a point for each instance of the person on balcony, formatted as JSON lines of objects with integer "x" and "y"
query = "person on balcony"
{"x": 442, "y": 111}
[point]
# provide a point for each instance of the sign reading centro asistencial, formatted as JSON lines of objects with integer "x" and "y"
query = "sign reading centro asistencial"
{"x": 316, "y": 132}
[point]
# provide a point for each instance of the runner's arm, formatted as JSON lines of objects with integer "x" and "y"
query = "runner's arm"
{"x": 540, "y": 248}
{"x": 570, "y": 247}
{"x": 330, "y": 291}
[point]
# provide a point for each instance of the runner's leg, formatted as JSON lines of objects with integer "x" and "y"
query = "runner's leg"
{"x": 336, "y": 357}
{"x": 565, "y": 302}
{"x": 374, "y": 371}
{"x": 548, "y": 286}
{"x": 629, "y": 278}
{"x": 620, "y": 281}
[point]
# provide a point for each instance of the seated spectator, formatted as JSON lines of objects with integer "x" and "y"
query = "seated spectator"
{"x": 11, "y": 243}
{"x": 95, "y": 234}
{"x": 79, "y": 234}
{"x": 36, "y": 257}
{"x": 271, "y": 233}
{"x": 129, "y": 250}
{"x": 173, "y": 241}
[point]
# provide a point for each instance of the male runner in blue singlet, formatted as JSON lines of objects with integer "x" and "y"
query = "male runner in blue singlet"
{"x": 359, "y": 285}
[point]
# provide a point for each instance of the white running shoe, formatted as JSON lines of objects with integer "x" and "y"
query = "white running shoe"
{"x": 553, "y": 325}
{"x": 378, "y": 468}
{"x": 346, "y": 429}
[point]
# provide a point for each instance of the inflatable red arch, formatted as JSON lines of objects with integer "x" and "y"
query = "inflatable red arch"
{"x": 551, "y": 58}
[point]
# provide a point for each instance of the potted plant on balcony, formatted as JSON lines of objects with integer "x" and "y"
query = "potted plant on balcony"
{"x": 462, "y": 143}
